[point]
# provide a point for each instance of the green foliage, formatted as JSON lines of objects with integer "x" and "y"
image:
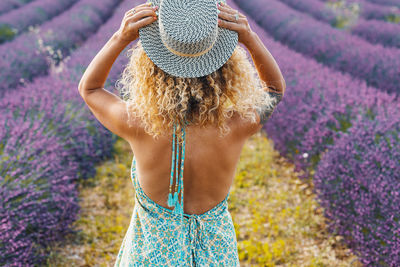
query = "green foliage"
{"x": 346, "y": 13}
{"x": 393, "y": 18}
{"x": 7, "y": 33}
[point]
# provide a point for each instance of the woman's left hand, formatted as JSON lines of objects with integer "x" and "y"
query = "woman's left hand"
{"x": 241, "y": 26}
{"x": 132, "y": 22}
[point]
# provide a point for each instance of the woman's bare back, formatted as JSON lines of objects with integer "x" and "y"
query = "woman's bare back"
{"x": 209, "y": 167}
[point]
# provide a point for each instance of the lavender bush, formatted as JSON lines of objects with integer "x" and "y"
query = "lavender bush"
{"x": 38, "y": 199}
{"x": 53, "y": 105}
{"x": 28, "y": 55}
{"x": 374, "y": 11}
{"x": 7, "y": 5}
{"x": 374, "y": 31}
{"x": 367, "y": 10}
{"x": 358, "y": 184}
{"x": 386, "y": 2}
{"x": 327, "y": 45}
{"x": 318, "y": 105}
{"x": 318, "y": 10}
{"x": 51, "y": 97}
{"x": 35, "y": 13}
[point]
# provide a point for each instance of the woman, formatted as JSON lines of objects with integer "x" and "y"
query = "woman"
{"x": 176, "y": 221}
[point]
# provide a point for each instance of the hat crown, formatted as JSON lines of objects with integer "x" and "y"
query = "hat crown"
{"x": 188, "y": 27}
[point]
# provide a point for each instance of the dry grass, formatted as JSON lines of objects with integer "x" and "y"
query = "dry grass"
{"x": 276, "y": 217}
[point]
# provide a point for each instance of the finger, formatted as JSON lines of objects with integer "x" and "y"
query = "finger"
{"x": 241, "y": 15}
{"x": 225, "y": 9}
{"x": 130, "y": 12}
{"x": 230, "y": 10}
{"x": 131, "y": 19}
{"x": 145, "y": 8}
{"x": 226, "y": 16}
{"x": 138, "y": 8}
{"x": 229, "y": 25}
{"x": 143, "y": 22}
{"x": 144, "y": 13}
{"x": 226, "y": 5}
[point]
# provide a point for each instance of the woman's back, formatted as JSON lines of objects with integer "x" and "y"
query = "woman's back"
{"x": 209, "y": 167}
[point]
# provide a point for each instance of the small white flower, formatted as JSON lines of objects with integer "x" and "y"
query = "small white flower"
{"x": 305, "y": 155}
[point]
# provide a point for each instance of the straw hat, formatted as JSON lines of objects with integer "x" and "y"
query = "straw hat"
{"x": 185, "y": 40}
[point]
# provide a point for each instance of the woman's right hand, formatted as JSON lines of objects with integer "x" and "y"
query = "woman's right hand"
{"x": 131, "y": 23}
{"x": 226, "y": 19}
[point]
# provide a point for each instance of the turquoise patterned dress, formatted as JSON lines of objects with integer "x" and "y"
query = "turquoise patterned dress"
{"x": 158, "y": 236}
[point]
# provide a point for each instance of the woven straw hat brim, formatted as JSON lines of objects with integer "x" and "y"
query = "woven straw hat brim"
{"x": 187, "y": 67}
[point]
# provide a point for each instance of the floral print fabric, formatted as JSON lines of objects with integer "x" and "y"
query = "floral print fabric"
{"x": 158, "y": 237}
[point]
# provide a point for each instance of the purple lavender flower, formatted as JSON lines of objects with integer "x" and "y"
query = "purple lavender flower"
{"x": 31, "y": 14}
{"x": 374, "y": 31}
{"x": 320, "y": 106}
{"x": 38, "y": 197}
{"x": 358, "y": 184}
{"x": 387, "y": 34}
{"x": 30, "y": 54}
{"x": 371, "y": 11}
{"x": 331, "y": 46}
{"x": 49, "y": 140}
{"x": 330, "y": 101}
{"x": 377, "y": 12}
{"x": 386, "y": 2}
{"x": 7, "y": 5}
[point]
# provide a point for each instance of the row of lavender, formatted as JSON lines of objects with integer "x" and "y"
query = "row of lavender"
{"x": 7, "y": 5}
{"x": 330, "y": 46}
{"x": 358, "y": 184}
{"x": 50, "y": 139}
{"x": 346, "y": 135}
{"x": 369, "y": 10}
{"x": 27, "y": 56}
{"x": 386, "y": 2}
{"x": 35, "y": 13}
{"x": 374, "y": 31}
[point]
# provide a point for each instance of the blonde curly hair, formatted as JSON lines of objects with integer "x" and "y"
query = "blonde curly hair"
{"x": 159, "y": 99}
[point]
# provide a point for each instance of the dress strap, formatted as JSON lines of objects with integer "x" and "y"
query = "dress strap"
{"x": 173, "y": 197}
{"x": 173, "y": 200}
{"x": 170, "y": 198}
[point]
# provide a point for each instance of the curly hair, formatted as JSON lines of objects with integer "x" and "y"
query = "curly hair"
{"x": 159, "y": 99}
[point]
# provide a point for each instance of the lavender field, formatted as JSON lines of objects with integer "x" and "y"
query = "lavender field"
{"x": 45, "y": 121}
{"x": 341, "y": 130}
{"x": 348, "y": 17}
{"x": 328, "y": 45}
{"x": 7, "y": 5}
{"x": 338, "y": 123}
{"x": 33, "y": 53}
{"x": 15, "y": 22}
